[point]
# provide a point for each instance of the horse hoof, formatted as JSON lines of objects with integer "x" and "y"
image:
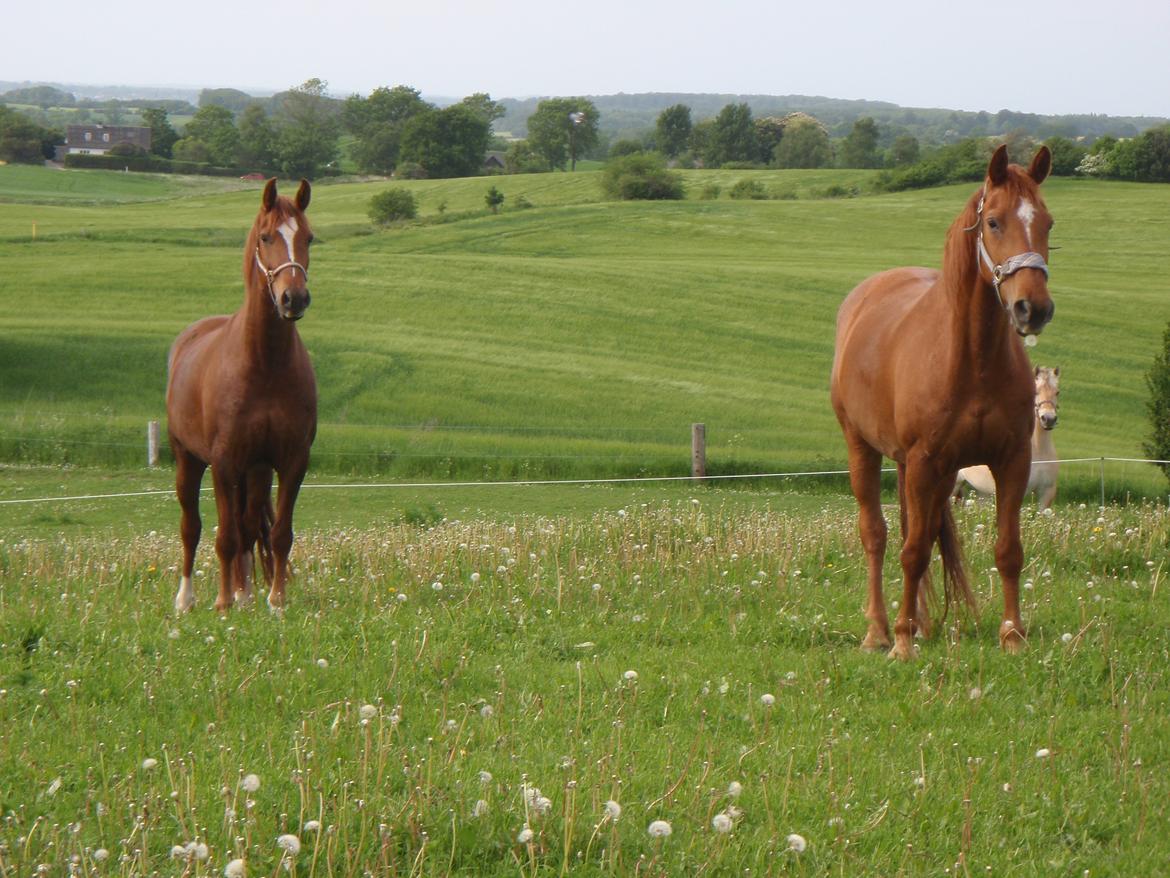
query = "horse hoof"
{"x": 243, "y": 598}
{"x": 903, "y": 652}
{"x": 874, "y": 644}
{"x": 1012, "y": 639}
{"x": 276, "y": 603}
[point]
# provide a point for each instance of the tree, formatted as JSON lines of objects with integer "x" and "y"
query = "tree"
{"x": 308, "y": 129}
{"x": 229, "y": 98}
{"x": 769, "y": 133}
{"x": 494, "y": 199}
{"x": 562, "y": 129}
{"x": 215, "y": 127}
{"x": 672, "y": 132}
{"x": 188, "y": 149}
{"x": 22, "y": 140}
{"x": 376, "y": 122}
{"x": 1066, "y": 155}
{"x": 162, "y": 134}
{"x": 1158, "y": 405}
{"x": 732, "y": 138}
{"x": 521, "y": 158}
{"x": 482, "y": 105}
{"x": 905, "y": 150}
{"x": 449, "y": 143}
{"x": 258, "y": 138}
{"x": 1152, "y": 155}
{"x": 859, "y": 148}
{"x": 805, "y": 144}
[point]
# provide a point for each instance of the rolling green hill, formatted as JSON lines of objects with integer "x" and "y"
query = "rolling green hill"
{"x": 573, "y": 338}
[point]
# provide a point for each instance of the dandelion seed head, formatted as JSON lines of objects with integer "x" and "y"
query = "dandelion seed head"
{"x": 250, "y": 783}
{"x": 767, "y": 699}
{"x": 1043, "y": 753}
{"x": 235, "y": 869}
{"x": 796, "y": 843}
{"x": 659, "y": 829}
{"x": 312, "y": 825}
{"x": 525, "y": 835}
{"x": 289, "y": 843}
{"x": 101, "y": 855}
{"x": 480, "y": 808}
{"x": 630, "y": 676}
{"x": 368, "y": 711}
{"x": 613, "y": 810}
{"x": 721, "y": 822}
{"x": 148, "y": 763}
{"x": 734, "y": 789}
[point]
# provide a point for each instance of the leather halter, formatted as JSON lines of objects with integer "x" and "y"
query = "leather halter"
{"x": 1003, "y": 270}
{"x": 271, "y": 273}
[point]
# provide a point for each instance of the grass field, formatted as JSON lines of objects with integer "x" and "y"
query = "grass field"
{"x": 576, "y": 338}
{"x": 506, "y": 680}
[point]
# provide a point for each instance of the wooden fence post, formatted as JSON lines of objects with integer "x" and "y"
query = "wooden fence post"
{"x": 152, "y": 443}
{"x": 698, "y": 451}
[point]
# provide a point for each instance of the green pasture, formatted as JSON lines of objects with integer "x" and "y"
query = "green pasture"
{"x": 435, "y": 689}
{"x": 571, "y": 338}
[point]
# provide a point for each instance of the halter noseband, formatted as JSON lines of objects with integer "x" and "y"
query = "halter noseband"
{"x": 271, "y": 273}
{"x": 1002, "y": 271}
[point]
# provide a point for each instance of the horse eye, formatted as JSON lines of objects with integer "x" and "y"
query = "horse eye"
{"x": 267, "y": 239}
{"x": 993, "y": 223}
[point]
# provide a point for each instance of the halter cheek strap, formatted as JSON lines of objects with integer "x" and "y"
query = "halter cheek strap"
{"x": 1003, "y": 270}
{"x": 271, "y": 273}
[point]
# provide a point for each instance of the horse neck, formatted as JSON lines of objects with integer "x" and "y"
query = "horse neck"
{"x": 1043, "y": 448}
{"x": 267, "y": 337}
{"x": 980, "y": 327}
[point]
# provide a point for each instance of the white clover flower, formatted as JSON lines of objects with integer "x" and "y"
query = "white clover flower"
{"x": 480, "y": 808}
{"x": 525, "y": 835}
{"x": 734, "y": 789}
{"x": 721, "y": 822}
{"x": 659, "y": 829}
{"x": 289, "y": 843}
{"x": 796, "y": 843}
{"x": 250, "y": 783}
{"x": 101, "y": 855}
{"x": 613, "y": 810}
{"x": 312, "y": 826}
{"x": 148, "y": 763}
{"x": 235, "y": 869}
{"x": 767, "y": 699}
{"x": 368, "y": 711}
{"x": 1043, "y": 753}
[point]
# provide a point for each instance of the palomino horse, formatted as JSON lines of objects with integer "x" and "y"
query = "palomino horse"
{"x": 930, "y": 371}
{"x": 241, "y": 396}
{"x": 1042, "y": 478}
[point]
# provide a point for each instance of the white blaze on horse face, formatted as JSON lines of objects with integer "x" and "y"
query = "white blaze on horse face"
{"x": 288, "y": 231}
{"x": 1026, "y": 213}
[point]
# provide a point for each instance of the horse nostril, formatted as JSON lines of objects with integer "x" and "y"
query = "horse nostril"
{"x": 285, "y": 299}
{"x": 1023, "y": 311}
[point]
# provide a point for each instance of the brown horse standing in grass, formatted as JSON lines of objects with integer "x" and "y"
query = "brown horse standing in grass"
{"x": 930, "y": 371}
{"x": 242, "y": 398}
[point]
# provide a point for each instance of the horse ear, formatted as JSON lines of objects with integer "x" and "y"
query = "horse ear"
{"x": 997, "y": 168}
{"x": 1041, "y": 165}
{"x": 303, "y": 194}
{"x": 268, "y": 199}
{"x": 1056, "y": 371}
{"x": 1036, "y": 372}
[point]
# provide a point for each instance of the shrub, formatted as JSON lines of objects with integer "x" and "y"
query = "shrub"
{"x": 748, "y": 189}
{"x": 641, "y": 176}
{"x": 1158, "y": 405}
{"x": 494, "y": 199}
{"x": 711, "y": 191}
{"x": 410, "y": 171}
{"x": 393, "y": 205}
{"x": 625, "y": 147}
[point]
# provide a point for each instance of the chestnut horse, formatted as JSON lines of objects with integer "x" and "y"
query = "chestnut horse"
{"x": 1042, "y": 477}
{"x": 930, "y": 371}
{"x": 242, "y": 398}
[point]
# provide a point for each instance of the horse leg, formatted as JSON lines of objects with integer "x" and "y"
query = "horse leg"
{"x": 282, "y": 533}
{"x": 924, "y": 496}
{"x": 256, "y": 488}
{"x": 188, "y": 476}
{"x": 1011, "y": 480}
{"x": 865, "y": 479}
{"x": 227, "y": 536}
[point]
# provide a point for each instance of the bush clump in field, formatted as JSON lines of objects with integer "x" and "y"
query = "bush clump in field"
{"x": 392, "y": 205}
{"x": 711, "y": 192}
{"x": 747, "y": 189}
{"x": 1158, "y": 405}
{"x": 641, "y": 176}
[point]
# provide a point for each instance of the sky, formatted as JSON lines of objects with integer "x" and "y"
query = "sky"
{"x": 1038, "y": 56}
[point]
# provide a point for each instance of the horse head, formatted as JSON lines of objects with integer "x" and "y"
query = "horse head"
{"x": 1012, "y": 241}
{"x": 1047, "y": 395}
{"x": 277, "y": 253}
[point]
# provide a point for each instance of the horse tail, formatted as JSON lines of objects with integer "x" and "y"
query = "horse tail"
{"x": 956, "y": 586}
{"x": 264, "y": 542}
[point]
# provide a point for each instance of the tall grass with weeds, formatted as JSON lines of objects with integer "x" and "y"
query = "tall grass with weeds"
{"x": 654, "y": 690}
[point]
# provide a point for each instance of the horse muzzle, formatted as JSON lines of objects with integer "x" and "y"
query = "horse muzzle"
{"x": 292, "y": 304}
{"x": 1030, "y": 316}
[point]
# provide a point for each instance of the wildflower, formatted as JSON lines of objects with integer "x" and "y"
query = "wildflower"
{"x": 659, "y": 829}
{"x": 767, "y": 699}
{"x": 100, "y": 855}
{"x": 721, "y": 823}
{"x": 1066, "y": 637}
{"x": 289, "y": 843}
{"x": 148, "y": 763}
{"x": 322, "y": 663}
{"x": 199, "y": 850}
{"x": 734, "y": 789}
{"x": 475, "y": 576}
{"x": 630, "y": 676}
{"x": 312, "y": 825}
{"x": 613, "y": 810}
{"x": 250, "y": 783}
{"x": 178, "y": 851}
{"x": 235, "y": 869}
{"x": 368, "y": 711}
{"x": 1043, "y": 753}
{"x": 486, "y": 711}
{"x": 525, "y": 835}
{"x": 485, "y": 777}
{"x": 796, "y": 843}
